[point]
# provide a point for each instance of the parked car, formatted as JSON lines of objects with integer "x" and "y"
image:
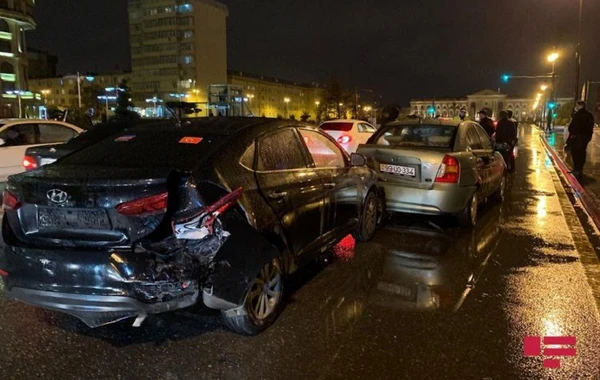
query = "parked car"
{"x": 349, "y": 133}
{"x": 153, "y": 219}
{"x": 436, "y": 167}
{"x": 41, "y": 155}
{"x": 16, "y": 135}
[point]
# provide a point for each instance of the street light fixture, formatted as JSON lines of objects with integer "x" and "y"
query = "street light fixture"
{"x": 544, "y": 87}
{"x": 287, "y": 102}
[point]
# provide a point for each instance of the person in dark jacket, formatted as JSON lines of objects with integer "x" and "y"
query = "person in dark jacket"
{"x": 581, "y": 130}
{"x": 486, "y": 123}
{"x": 511, "y": 118}
{"x": 506, "y": 133}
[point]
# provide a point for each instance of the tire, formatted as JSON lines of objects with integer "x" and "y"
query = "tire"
{"x": 468, "y": 217}
{"x": 369, "y": 218}
{"x": 263, "y": 302}
{"x": 498, "y": 196}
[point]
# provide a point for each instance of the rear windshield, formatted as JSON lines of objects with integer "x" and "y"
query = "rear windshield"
{"x": 156, "y": 148}
{"x": 337, "y": 126}
{"x": 416, "y": 135}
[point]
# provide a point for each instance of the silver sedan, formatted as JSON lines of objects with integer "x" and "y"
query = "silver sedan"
{"x": 436, "y": 167}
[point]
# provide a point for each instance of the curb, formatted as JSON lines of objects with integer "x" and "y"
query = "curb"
{"x": 589, "y": 204}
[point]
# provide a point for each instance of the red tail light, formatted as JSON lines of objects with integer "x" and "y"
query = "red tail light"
{"x": 207, "y": 216}
{"x": 10, "y": 201}
{"x": 154, "y": 204}
{"x": 344, "y": 139}
{"x": 29, "y": 163}
{"x": 449, "y": 171}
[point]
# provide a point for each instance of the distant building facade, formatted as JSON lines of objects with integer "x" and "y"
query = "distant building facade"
{"x": 486, "y": 99}
{"x": 41, "y": 64}
{"x": 16, "y": 17}
{"x": 97, "y": 91}
{"x": 274, "y": 97}
{"x": 177, "y": 49}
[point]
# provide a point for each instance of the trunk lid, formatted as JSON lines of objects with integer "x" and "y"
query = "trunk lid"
{"x": 410, "y": 167}
{"x": 70, "y": 205}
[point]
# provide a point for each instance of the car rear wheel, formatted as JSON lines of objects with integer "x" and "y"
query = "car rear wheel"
{"x": 468, "y": 217}
{"x": 263, "y": 302}
{"x": 369, "y": 218}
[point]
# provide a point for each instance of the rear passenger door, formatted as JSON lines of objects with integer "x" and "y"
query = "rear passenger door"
{"x": 340, "y": 184}
{"x": 292, "y": 189}
{"x": 496, "y": 170}
{"x": 55, "y": 133}
{"x": 483, "y": 158}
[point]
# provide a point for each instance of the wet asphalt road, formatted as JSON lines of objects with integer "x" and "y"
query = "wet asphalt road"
{"x": 424, "y": 300}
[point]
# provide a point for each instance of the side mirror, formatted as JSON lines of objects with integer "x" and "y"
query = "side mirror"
{"x": 2, "y": 142}
{"x": 358, "y": 160}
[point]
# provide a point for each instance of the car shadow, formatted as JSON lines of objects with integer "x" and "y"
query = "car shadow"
{"x": 157, "y": 329}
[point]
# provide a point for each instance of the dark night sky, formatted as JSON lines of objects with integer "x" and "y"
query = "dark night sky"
{"x": 399, "y": 49}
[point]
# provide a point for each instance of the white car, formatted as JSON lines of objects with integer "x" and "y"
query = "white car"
{"x": 16, "y": 135}
{"x": 349, "y": 133}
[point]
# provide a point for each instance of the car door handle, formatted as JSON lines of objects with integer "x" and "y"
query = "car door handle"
{"x": 278, "y": 194}
{"x": 330, "y": 185}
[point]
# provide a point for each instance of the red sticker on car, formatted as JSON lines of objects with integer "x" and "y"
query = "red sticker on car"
{"x": 125, "y": 138}
{"x": 190, "y": 140}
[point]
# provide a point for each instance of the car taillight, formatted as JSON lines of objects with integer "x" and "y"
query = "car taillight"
{"x": 29, "y": 163}
{"x": 449, "y": 171}
{"x": 154, "y": 204}
{"x": 344, "y": 139}
{"x": 205, "y": 218}
{"x": 10, "y": 201}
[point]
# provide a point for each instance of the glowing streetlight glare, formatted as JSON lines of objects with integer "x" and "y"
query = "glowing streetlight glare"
{"x": 552, "y": 57}
{"x": 317, "y": 103}
{"x": 287, "y": 100}
{"x": 544, "y": 87}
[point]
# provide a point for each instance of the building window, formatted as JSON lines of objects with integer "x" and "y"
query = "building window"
{"x": 188, "y": 59}
{"x": 185, "y": 8}
{"x": 4, "y": 26}
{"x": 7, "y": 68}
{"x": 5, "y": 46}
{"x": 188, "y": 34}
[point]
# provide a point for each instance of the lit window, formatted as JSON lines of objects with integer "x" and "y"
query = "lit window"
{"x": 188, "y": 59}
{"x": 185, "y": 8}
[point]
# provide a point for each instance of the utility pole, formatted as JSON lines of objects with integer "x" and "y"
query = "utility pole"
{"x": 79, "y": 89}
{"x": 578, "y": 54}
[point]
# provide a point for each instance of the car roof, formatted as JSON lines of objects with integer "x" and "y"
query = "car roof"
{"x": 344, "y": 121}
{"x": 227, "y": 126}
{"x": 428, "y": 121}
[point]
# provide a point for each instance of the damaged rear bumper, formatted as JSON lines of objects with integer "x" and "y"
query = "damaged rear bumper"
{"x": 95, "y": 310}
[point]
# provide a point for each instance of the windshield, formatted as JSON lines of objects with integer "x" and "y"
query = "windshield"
{"x": 441, "y": 136}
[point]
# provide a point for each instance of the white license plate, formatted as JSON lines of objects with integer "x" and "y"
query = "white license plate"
{"x": 397, "y": 169}
{"x": 47, "y": 161}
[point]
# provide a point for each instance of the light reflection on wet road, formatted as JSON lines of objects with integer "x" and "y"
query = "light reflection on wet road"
{"x": 423, "y": 300}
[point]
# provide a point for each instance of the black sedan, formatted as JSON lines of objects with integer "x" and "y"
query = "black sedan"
{"x": 155, "y": 219}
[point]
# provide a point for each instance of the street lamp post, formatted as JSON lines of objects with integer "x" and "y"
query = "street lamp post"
{"x": 552, "y": 57}
{"x": 578, "y": 54}
{"x": 287, "y": 102}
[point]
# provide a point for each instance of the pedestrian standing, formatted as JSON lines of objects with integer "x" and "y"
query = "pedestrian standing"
{"x": 581, "y": 131}
{"x": 511, "y": 118}
{"x": 462, "y": 115}
{"x": 506, "y": 134}
{"x": 486, "y": 123}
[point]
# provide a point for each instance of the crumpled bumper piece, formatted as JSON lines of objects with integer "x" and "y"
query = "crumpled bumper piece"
{"x": 95, "y": 310}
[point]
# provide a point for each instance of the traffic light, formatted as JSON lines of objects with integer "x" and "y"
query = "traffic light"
{"x": 551, "y": 105}
{"x": 505, "y": 78}
{"x": 431, "y": 109}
